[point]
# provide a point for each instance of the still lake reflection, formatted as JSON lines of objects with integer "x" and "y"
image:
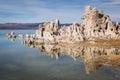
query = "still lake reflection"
{"x": 56, "y": 62}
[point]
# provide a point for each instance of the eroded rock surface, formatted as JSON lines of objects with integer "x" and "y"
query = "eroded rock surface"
{"x": 96, "y": 25}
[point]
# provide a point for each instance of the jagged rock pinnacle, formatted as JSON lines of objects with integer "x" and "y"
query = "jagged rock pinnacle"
{"x": 96, "y": 24}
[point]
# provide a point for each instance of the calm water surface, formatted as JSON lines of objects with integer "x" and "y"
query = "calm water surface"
{"x": 48, "y": 62}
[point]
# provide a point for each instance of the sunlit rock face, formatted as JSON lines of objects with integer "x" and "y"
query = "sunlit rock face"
{"x": 72, "y": 33}
{"x": 52, "y": 32}
{"x": 48, "y": 31}
{"x": 96, "y": 25}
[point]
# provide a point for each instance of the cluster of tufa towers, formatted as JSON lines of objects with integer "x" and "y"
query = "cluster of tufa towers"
{"x": 95, "y": 24}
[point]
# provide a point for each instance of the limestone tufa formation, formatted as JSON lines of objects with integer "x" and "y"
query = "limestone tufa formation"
{"x": 96, "y": 25}
{"x": 11, "y": 35}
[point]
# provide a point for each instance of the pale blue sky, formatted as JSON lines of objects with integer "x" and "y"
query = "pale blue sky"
{"x": 68, "y": 11}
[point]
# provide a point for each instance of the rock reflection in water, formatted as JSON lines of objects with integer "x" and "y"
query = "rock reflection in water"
{"x": 11, "y": 36}
{"x": 12, "y": 39}
{"x": 92, "y": 56}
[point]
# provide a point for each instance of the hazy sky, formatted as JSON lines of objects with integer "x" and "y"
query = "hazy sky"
{"x": 31, "y": 11}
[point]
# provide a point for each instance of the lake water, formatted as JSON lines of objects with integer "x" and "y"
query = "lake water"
{"x": 54, "y": 62}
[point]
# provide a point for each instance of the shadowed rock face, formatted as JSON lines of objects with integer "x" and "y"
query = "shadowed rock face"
{"x": 93, "y": 57}
{"x": 95, "y": 24}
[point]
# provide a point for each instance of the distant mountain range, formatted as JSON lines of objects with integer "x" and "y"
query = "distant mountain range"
{"x": 22, "y": 25}
{"x": 19, "y": 26}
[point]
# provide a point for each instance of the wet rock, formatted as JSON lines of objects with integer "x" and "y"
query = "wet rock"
{"x": 11, "y": 35}
{"x": 20, "y": 36}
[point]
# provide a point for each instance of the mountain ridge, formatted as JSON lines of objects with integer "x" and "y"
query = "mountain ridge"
{"x": 4, "y": 26}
